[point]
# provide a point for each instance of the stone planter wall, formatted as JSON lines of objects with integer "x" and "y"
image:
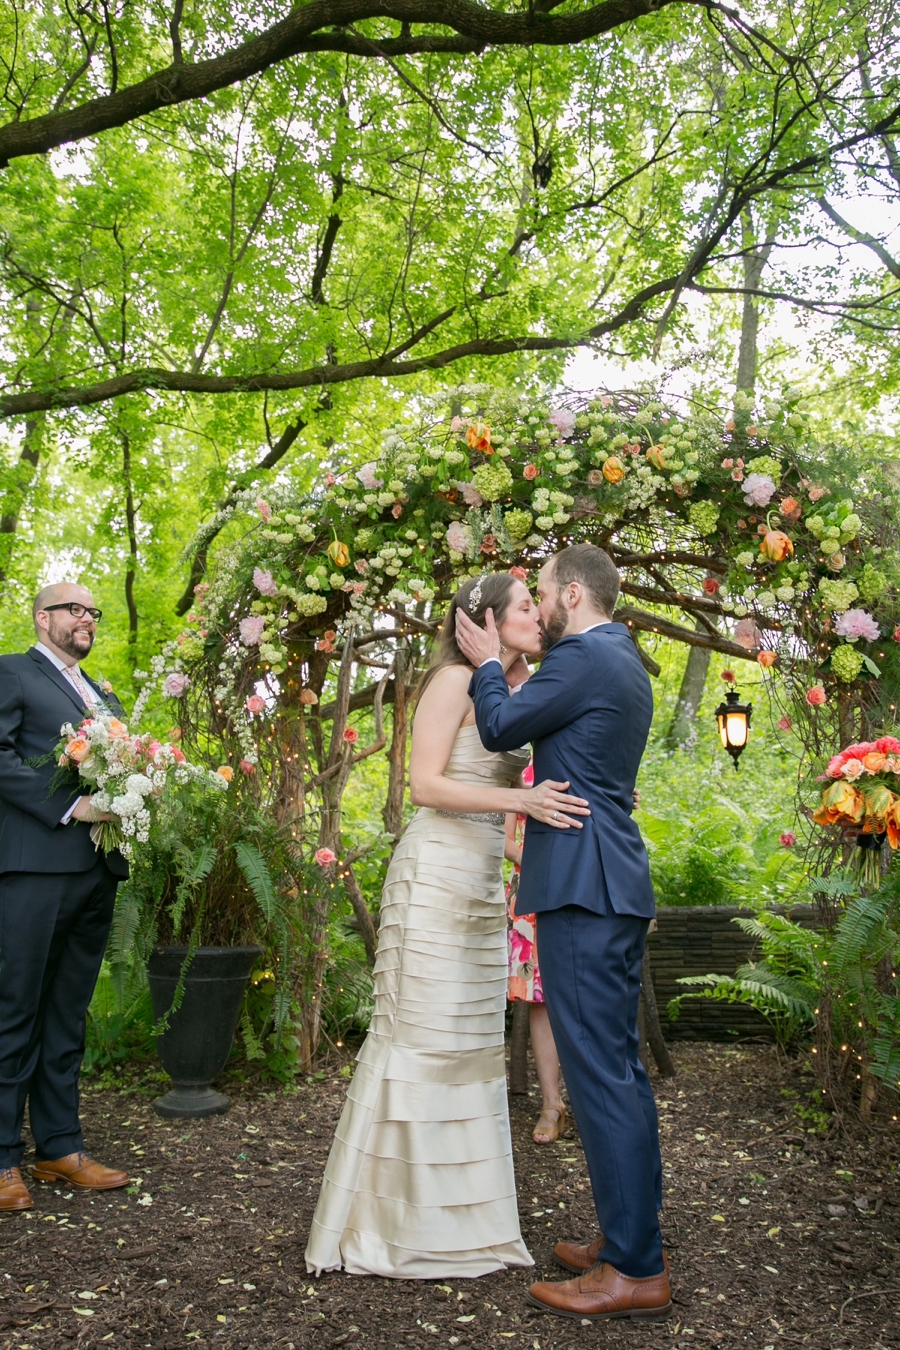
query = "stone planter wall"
{"x": 702, "y": 940}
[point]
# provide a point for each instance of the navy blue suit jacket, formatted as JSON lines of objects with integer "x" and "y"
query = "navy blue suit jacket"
{"x": 35, "y": 701}
{"x": 587, "y": 711}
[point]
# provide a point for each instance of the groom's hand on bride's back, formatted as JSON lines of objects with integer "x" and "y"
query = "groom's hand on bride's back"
{"x": 551, "y": 803}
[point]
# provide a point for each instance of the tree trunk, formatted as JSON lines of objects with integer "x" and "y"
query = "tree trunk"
{"x": 682, "y": 730}
{"x": 755, "y": 259}
{"x": 652, "y": 1027}
{"x": 518, "y": 1046}
{"x": 132, "y": 565}
{"x": 361, "y": 910}
{"x": 393, "y": 805}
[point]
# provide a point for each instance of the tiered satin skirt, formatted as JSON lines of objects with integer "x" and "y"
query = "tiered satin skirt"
{"x": 419, "y": 1183}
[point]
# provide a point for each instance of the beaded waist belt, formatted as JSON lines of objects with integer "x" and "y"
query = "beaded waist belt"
{"x": 486, "y": 817}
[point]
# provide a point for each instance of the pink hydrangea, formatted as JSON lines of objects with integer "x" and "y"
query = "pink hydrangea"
{"x": 470, "y": 494}
{"x": 564, "y": 421}
{"x": 758, "y": 489}
{"x": 264, "y": 581}
{"x": 175, "y": 684}
{"x": 251, "y": 629}
{"x": 747, "y": 634}
{"x": 458, "y": 537}
{"x": 366, "y": 476}
{"x": 856, "y": 623}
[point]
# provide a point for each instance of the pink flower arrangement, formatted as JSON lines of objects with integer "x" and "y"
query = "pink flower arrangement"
{"x": 351, "y": 735}
{"x": 264, "y": 509}
{"x": 815, "y": 695}
{"x": 737, "y": 475}
{"x": 530, "y": 471}
{"x": 264, "y": 581}
{"x": 361, "y": 565}
{"x": 175, "y": 684}
{"x": 728, "y": 462}
{"x": 397, "y": 510}
{"x": 758, "y": 489}
{"x": 470, "y": 494}
{"x": 816, "y": 492}
{"x": 787, "y": 839}
{"x": 866, "y": 757}
{"x": 325, "y": 857}
{"x": 784, "y": 723}
{"x": 254, "y": 703}
{"x": 564, "y": 421}
{"x": 856, "y": 623}
{"x": 251, "y": 629}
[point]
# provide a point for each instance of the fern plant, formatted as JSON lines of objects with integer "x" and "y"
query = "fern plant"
{"x": 840, "y": 984}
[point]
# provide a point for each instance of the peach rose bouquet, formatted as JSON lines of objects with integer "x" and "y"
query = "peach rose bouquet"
{"x": 126, "y": 776}
{"x": 863, "y": 794}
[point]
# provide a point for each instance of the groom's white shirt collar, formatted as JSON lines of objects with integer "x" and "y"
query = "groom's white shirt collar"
{"x": 578, "y": 634}
{"x": 51, "y": 656}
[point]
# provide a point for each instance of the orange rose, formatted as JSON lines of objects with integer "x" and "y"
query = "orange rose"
{"x": 766, "y": 658}
{"x": 841, "y": 802}
{"x": 656, "y": 455}
{"x": 78, "y": 748}
{"x": 775, "y": 545}
{"x": 892, "y": 823}
{"x": 874, "y": 761}
{"x": 789, "y": 507}
{"x": 116, "y": 728}
{"x": 338, "y": 553}
{"x": 225, "y": 771}
{"x": 478, "y": 437}
{"x": 614, "y": 470}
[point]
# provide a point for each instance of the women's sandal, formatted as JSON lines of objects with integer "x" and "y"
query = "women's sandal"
{"x": 546, "y": 1125}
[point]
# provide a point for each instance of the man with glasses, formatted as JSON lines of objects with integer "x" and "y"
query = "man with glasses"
{"x": 56, "y": 900}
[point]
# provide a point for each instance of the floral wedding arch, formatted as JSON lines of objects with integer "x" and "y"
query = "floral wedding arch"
{"x": 737, "y": 533}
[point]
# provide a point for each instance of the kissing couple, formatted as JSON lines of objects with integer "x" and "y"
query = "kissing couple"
{"x": 419, "y": 1183}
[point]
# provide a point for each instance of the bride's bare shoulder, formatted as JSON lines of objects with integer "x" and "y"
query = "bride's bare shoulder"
{"x": 447, "y": 691}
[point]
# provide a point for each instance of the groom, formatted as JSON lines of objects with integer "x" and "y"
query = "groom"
{"x": 587, "y": 711}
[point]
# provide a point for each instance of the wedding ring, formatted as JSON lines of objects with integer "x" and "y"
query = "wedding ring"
{"x": 555, "y": 816}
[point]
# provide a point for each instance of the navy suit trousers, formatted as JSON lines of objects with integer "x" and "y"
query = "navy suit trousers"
{"x": 591, "y": 976}
{"x": 53, "y": 931}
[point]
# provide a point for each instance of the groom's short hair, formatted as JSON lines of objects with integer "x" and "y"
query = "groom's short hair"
{"x": 596, "y": 571}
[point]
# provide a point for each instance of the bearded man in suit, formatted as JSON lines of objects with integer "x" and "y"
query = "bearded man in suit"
{"x": 57, "y": 894}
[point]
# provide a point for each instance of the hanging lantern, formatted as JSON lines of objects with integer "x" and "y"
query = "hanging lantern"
{"x": 733, "y": 719}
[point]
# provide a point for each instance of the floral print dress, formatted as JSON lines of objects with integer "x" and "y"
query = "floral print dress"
{"x": 524, "y": 973}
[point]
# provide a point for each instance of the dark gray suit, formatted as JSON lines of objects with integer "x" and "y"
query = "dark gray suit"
{"x": 56, "y": 903}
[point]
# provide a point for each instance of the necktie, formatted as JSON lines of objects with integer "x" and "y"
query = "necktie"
{"x": 85, "y": 693}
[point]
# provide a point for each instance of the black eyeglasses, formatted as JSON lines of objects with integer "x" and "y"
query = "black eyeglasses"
{"x": 78, "y": 611}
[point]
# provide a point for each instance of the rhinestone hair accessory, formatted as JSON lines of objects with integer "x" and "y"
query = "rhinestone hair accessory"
{"x": 475, "y": 595}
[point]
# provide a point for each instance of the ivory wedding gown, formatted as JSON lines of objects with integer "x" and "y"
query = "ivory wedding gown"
{"x": 419, "y": 1182}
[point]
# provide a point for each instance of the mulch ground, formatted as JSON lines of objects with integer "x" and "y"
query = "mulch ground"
{"x": 778, "y": 1236}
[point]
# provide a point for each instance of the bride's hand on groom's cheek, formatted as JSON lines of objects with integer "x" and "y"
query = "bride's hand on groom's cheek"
{"x": 552, "y": 804}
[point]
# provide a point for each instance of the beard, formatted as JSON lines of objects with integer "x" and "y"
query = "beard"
{"x": 75, "y": 642}
{"x": 555, "y": 627}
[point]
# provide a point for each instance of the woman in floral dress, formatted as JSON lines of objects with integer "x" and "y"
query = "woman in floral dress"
{"x": 525, "y": 984}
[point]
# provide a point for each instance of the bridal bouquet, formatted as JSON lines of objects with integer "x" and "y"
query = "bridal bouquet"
{"x": 864, "y": 794}
{"x": 127, "y": 775}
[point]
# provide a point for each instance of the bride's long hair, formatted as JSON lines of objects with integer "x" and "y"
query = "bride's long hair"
{"x": 495, "y": 592}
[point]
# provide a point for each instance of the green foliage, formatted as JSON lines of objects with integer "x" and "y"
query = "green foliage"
{"x": 840, "y": 982}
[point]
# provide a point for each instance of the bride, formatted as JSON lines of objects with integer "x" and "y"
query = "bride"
{"x": 419, "y": 1183}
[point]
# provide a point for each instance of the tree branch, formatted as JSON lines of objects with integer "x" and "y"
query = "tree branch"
{"x": 652, "y": 623}
{"x": 475, "y": 26}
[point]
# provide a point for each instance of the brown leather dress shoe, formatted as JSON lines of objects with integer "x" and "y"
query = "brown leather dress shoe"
{"x": 13, "y": 1191}
{"x": 79, "y": 1171}
{"x": 581, "y": 1256}
{"x": 605, "y": 1292}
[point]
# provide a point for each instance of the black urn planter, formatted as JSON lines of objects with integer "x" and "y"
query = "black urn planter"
{"x": 197, "y": 1041}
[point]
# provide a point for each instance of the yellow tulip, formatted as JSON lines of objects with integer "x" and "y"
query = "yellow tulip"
{"x": 338, "y": 553}
{"x": 614, "y": 470}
